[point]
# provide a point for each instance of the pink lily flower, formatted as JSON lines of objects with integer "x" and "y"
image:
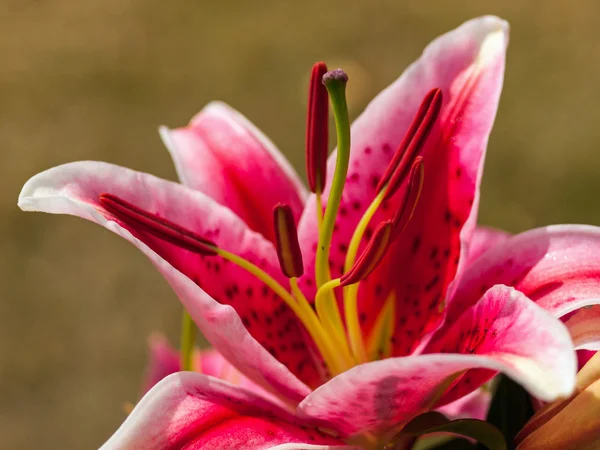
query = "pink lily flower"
{"x": 390, "y": 249}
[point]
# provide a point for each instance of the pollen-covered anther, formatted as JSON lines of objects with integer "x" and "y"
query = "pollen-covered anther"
{"x": 140, "y": 219}
{"x": 371, "y": 256}
{"x": 317, "y": 129}
{"x": 286, "y": 242}
{"x": 412, "y": 143}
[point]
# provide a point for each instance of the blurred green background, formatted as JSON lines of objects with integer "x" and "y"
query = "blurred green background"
{"x": 93, "y": 80}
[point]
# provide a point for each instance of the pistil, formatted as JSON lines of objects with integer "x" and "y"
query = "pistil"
{"x": 335, "y": 82}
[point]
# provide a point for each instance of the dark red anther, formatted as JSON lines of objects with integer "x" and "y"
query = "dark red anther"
{"x": 160, "y": 227}
{"x": 411, "y": 196}
{"x": 286, "y": 242}
{"x": 412, "y": 143}
{"x": 317, "y": 129}
{"x": 371, "y": 256}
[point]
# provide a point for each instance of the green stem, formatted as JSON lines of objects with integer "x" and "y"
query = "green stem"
{"x": 188, "y": 334}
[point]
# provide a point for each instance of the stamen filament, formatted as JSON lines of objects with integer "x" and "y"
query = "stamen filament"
{"x": 351, "y": 292}
{"x": 306, "y": 315}
{"x": 335, "y": 82}
{"x": 177, "y": 235}
{"x": 188, "y": 334}
{"x": 327, "y": 311}
{"x": 324, "y": 344}
{"x": 329, "y": 315}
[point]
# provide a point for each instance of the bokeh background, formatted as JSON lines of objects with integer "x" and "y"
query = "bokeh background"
{"x": 92, "y": 80}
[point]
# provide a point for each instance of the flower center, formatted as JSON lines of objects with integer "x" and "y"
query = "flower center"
{"x": 340, "y": 342}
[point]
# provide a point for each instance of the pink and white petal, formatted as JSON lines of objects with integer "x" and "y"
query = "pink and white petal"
{"x": 240, "y": 333}
{"x": 504, "y": 332}
{"x": 505, "y": 320}
{"x": 472, "y": 406}
{"x": 483, "y": 239}
{"x": 163, "y": 361}
{"x": 584, "y": 327}
{"x": 193, "y": 411}
{"x": 467, "y": 64}
{"x": 556, "y": 266}
{"x": 223, "y": 155}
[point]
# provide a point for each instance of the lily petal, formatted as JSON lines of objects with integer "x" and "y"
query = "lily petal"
{"x": 223, "y": 155}
{"x": 555, "y": 266}
{"x": 503, "y": 332}
{"x": 472, "y": 406}
{"x": 188, "y": 410}
{"x": 74, "y": 189}
{"x": 584, "y": 326}
{"x": 467, "y": 64}
{"x": 483, "y": 239}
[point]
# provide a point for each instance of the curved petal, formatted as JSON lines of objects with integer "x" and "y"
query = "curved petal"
{"x": 223, "y": 155}
{"x": 467, "y": 64}
{"x": 584, "y": 326}
{"x": 483, "y": 239}
{"x": 472, "y": 406}
{"x": 556, "y": 266}
{"x": 74, "y": 189}
{"x": 188, "y": 410}
{"x": 504, "y": 332}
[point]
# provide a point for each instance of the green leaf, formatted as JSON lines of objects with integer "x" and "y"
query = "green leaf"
{"x": 510, "y": 410}
{"x": 434, "y": 422}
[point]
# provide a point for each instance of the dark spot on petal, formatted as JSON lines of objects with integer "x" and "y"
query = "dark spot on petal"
{"x": 434, "y": 252}
{"x": 416, "y": 244}
{"x": 430, "y": 285}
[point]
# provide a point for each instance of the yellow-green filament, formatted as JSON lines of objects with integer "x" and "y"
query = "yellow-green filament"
{"x": 336, "y": 90}
{"x": 351, "y": 292}
{"x": 361, "y": 228}
{"x": 188, "y": 334}
{"x": 380, "y": 340}
{"x": 329, "y": 315}
{"x": 319, "y": 201}
{"x": 306, "y": 315}
{"x": 324, "y": 344}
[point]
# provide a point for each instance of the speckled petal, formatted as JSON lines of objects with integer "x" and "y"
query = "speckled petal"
{"x": 256, "y": 316}
{"x": 467, "y": 64}
{"x": 504, "y": 332}
{"x": 226, "y": 157}
{"x": 556, "y": 266}
{"x": 193, "y": 411}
